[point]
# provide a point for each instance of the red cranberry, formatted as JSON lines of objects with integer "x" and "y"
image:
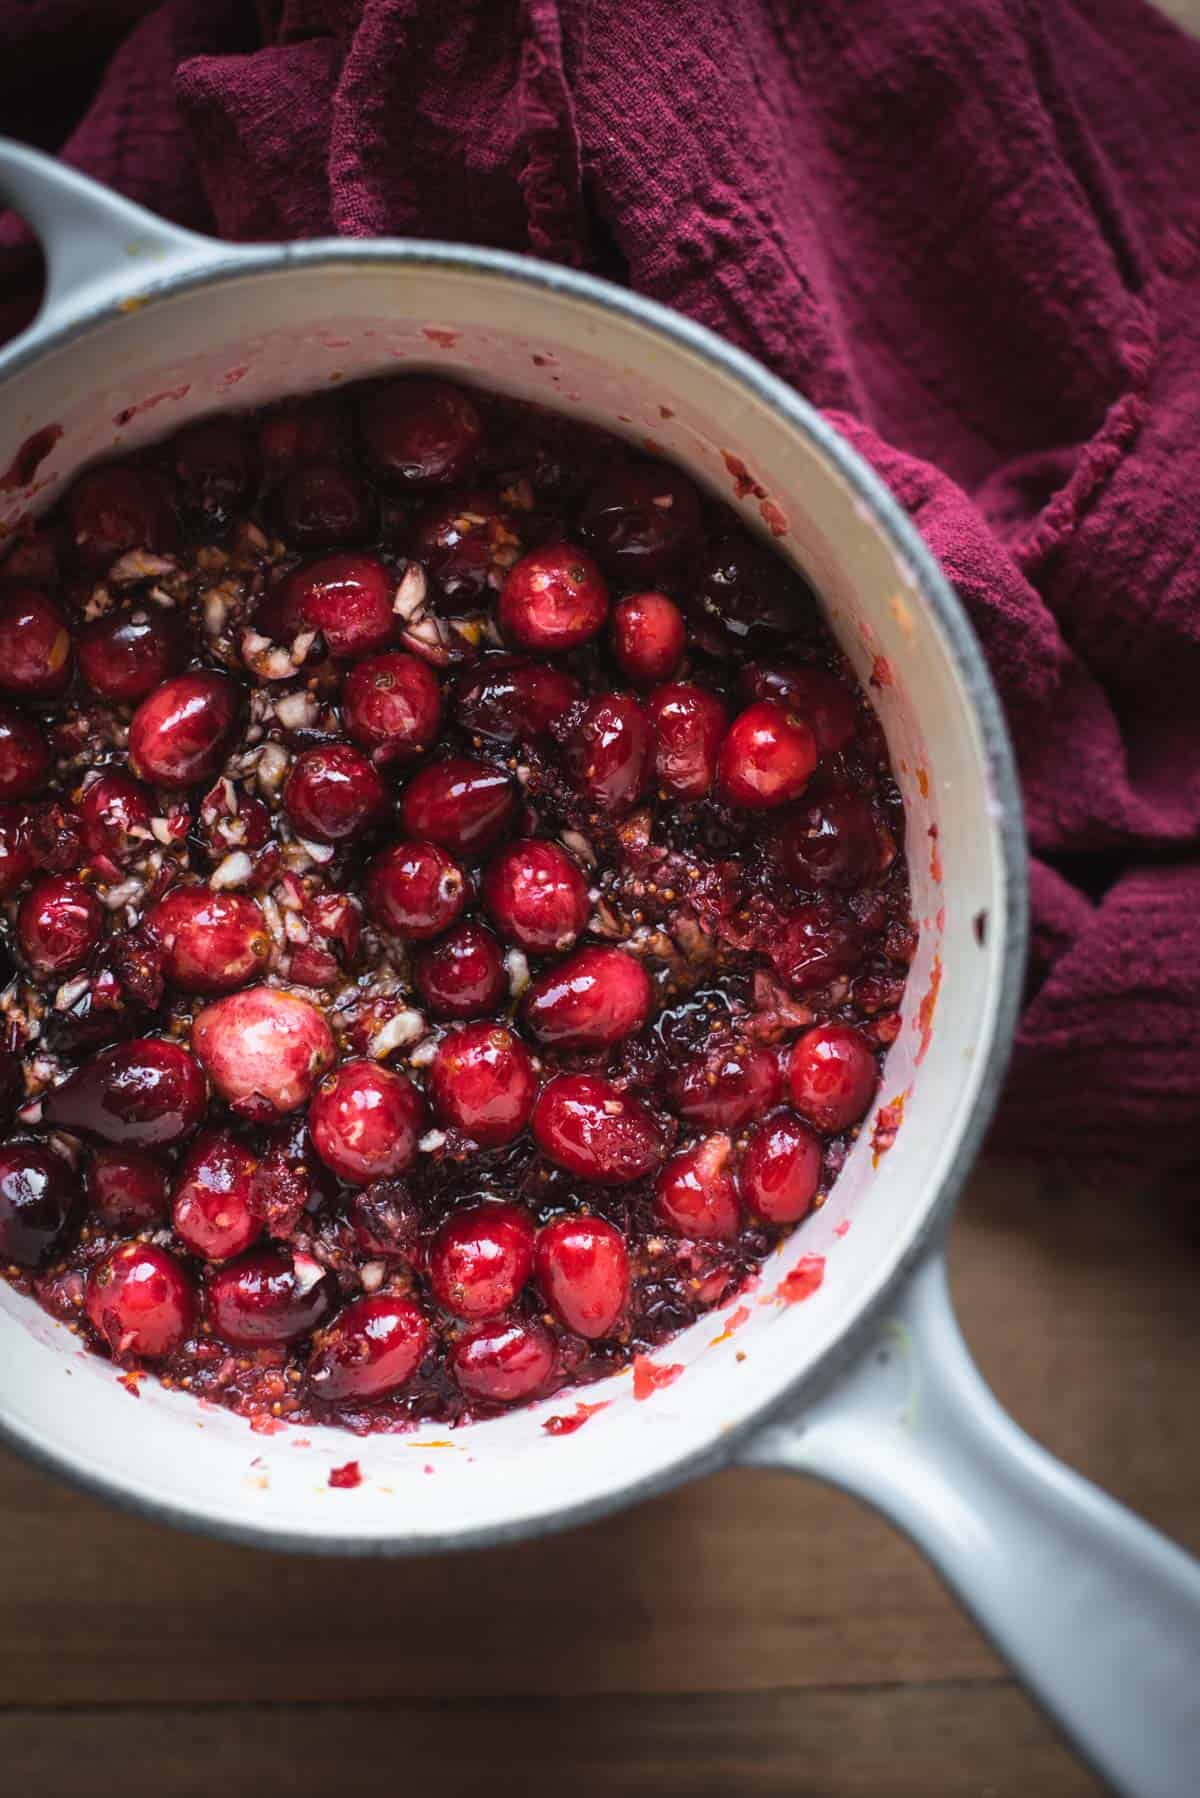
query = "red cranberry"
{"x": 594, "y": 999}
{"x": 832, "y": 1077}
{"x": 180, "y": 734}
{"x": 264, "y": 1050}
{"x": 116, "y": 813}
{"x": 58, "y": 925}
{"x": 333, "y": 794}
{"x": 695, "y": 1193}
{"x": 462, "y": 976}
{"x": 767, "y": 757}
{"x": 829, "y": 707}
{"x": 418, "y": 432}
{"x": 392, "y": 707}
{"x": 482, "y": 1082}
{"x": 610, "y": 752}
{"x": 818, "y": 944}
{"x": 212, "y": 942}
{"x": 346, "y": 596}
{"x": 504, "y": 1362}
{"x": 115, "y": 508}
{"x": 831, "y": 843}
{"x": 648, "y": 637}
{"x": 267, "y": 1297}
{"x": 536, "y": 896}
{"x": 466, "y": 543}
{"x": 590, "y": 1127}
{"x": 35, "y": 644}
{"x": 147, "y": 1094}
{"x": 755, "y": 595}
{"x": 510, "y": 700}
{"x": 125, "y": 655}
{"x": 312, "y": 430}
{"x": 140, "y": 1301}
{"x": 40, "y": 1203}
{"x": 365, "y": 1121}
{"x": 415, "y": 890}
{"x": 127, "y": 1188}
{"x": 554, "y": 599}
{"x": 214, "y": 1211}
{"x": 24, "y": 755}
{"x": 322, "y": 505}
{"x": 216, "y": 468}
{"x": 583, "y": 1271}
{"x": 373, "y": 1347}
{"x": 334, "y": 925}
{"x": 18, "y": 856}
{"x": 460, "y": 803}
{"x": 689, "y": 727}
{"x": 781, "y": 1170}
{"x": 642, "y": 520}
{"x": 725, "y": 1088}
{"x": 481, "y": 1258}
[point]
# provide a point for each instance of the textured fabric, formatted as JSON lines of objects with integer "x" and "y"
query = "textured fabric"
{"x": 970, "y": 229}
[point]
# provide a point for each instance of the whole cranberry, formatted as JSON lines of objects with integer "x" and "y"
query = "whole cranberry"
{"x": 481, "y": 1258}
{"x": 590, "y": 1127}
{"x": 482, "y": 1082}
{"x": 582, "y": 1268}
{"x": 418, "y": 432}
{"x": 365, "y": 1122}
{"x": 724, "y": 1088}
{"x": 268, "y": 1297}
{"x": 316, "y": 429}
{"x": 333, "y": 794}
{"x": 463, "y": 804}
{"x": 503, "y": 1362}
{"x": 40, "y": 1203}
{"x": 781, "y": 1169}
{"x": 231, "y": 819}
{"x": 824, "y": 702}
{"x": 689, "y": 727}
{"x": 127, "y": 1187}
{"x": 18, "y": 855}
{"x": 767, "y": 757}
{"x": 466, "y": 543}
{"x": 374, "y": 1346}
{"x": 553, "y": 599}
{"x": 831, "y": 843}
{"x": 146, "y": 1094}
{"x": 323, "y": 505}
{"x": 24, "y": 755}
{"x": 58, "y": 925}
{"x": 755, "y": 595}
{"x": 212, "y": 942}
{"x": 140, "y": 1301}
{"x": 214, "y": 1212}
{"x": 392, "y": 707}
{"x": 648, "y": 637}
{"x": 536, "y": 896}
{"x": 125, "y": 655}
{"x": 696, "y": 1195}
{"x": 35, "y": 644}
{"x": 415, "y": 890}
{"x": 180, "y": 734}
{"x": 333, "y": 922}
{"x": 264, "y": 1050}
{"x": 817, "y": 944}
{"x": 610, "y": 752}
{"x": 346, "y": 596}
{"x": 115, "y": 508}
{"x": 596, "y": 998}
{"x": 116, "y": 812}
{"x": 462, "y": 976}
{"x": 511, "y": 700}
{"x": 832, "y": 1077}
{"x": 642, "y": 520}
{"x": 216, "y": 469}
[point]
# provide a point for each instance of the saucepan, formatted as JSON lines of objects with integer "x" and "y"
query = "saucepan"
{"x": 866, "y": 1381}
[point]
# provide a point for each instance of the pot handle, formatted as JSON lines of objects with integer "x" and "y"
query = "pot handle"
{"x": 1097, "y": 1612}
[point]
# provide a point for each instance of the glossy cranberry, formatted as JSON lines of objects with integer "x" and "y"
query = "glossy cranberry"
{"x": 180, "y": 734}
{"x": 504, "y": 1362}
{"x": 214, "y": 1213}
{"x": 125, "y": 655}
{"x": 689, "y": 727}
{"x": 594, "y": 999}
{"x": 267, "y": 1297}
{"x": 467, "y": 543}
{"x": 724, "y": 1088}
{"x": 59, "y": 924}
{"x": 827, "y": 706}
{"x": 610, "y": 752}
{"x": 508, "y": 700}
{"x": 462, "y": 976}
{"x": 333, "y": 923}
{"x": 116, "y": 812}
{"x": 754, "y": 595}
{"x": 818, "y": 944}
{"x": 536, "y": 896}
{"x": 767, "y": 757}
{"x": 418, "y": 433}
{"x": 316, "y": 429}
{"x": 324, "y": 505}
{"x": 642, "y": 520}
{"x": 831, "y": 843}
{"x": 482, "y": 1083}
{"x": 648, "y": 637}
{"x": 346, "y": 596}
{"x": 40, "y": 1203}
{"x": 392, "y": 707}
{"x": 216, "y": 470}
{"x": 374, "y": 1346}
{"x": 127, "y": 1187}
{"x": 590, "y": 1127}
{"x": 333, "y": 794}
{"x": 140, "y": 1301}
{"x": 582, "y": 1268}
{"x": 365, "y": 1122}
{"x": 35, "y": 644}
{"x": 415, "y": 890}
{"x": 832, "y": 1077}
{"x": 481, "y": 1258}
{"x": 264, "y": 1050}
{"x": 115, "y": 508}
{"x": 146, "y": 1094}
{"x": 18, "y": 856}
{"x": 696, "y": 1194}
{"x": 781, "y": 1169}
{"x": 212, "y": 942}
{"x": 553, "y": 599}
{"x": 460, "y": 803}
{"x": 24, "y": 755}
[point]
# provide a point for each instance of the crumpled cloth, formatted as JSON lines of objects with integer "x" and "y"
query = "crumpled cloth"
{"x": 968, "y": 229}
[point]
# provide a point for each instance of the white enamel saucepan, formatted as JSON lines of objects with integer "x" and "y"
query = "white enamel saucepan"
{"x": 867, "y": 1382}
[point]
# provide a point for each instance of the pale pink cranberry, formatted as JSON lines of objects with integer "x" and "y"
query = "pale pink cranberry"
{"x": 216, "y": 470}
{"x": 127, "y": 1187}
{"x": 333, "y": 794}
{"x": 553, "y": 599}
{"x": 315, "y": 429}
{"x": 696, "y": 1195}
{"x": 35, "y": 644}
{"x": 504, "y": 1362}
{"x": 323, "y": 505}
{"x": 817, "y": 944}
{"x": 481, "y": 1258}
{"x": 346, "y": 596}
{"x": 140, "y": 1301}
{"x": 781, "y": 1169}
{"x": 648, "y": 637}
{"x": 482, "y": 1083}
{"x": 24, "y": 755}
{"x": 590, "y": 1127}
{"x": 148, "y": 1094}
{"x": 116, "y": 812}
{"x": 18, "y": 856}
{"x": 264, "y": 1050}
{"x": 268, "y": 1297}
{"x": 418, "y": 432}
{"x": 642, "y": 520}
{"x": 823, "y": 701}
{"x": 333, "y": 923}
{"x": 833, "y": 842}
{"x": 415, "y": 890}
{"x": 365, "y": 1122}
{"x": 373, "y": 1346}
{"x": 125, "y": 655}
{"x": 463, "y": 804}
{"x": 767, "y": 757}
{"x": 596, "y": 998}
{"x": 392, "y": 707}
{"x": 214, "y": 1212}
{"x": 462, "y": 975}
{"x": 466, "y": 543}
{"x": 58, "y": 925}
{"x": 582, "y": 1268}
{"x": 180, "y": 734}
{"x": 212, "y": 942}
{"x": 689, "y": 727}
{"x": 40, "y": 1203}
{"x": 231, "y": 819}
{"x": 508, "y": 699}
{"x": 115, "y": 508}
{"x": 536, "y": 896}
{"x": 610, "y": 752}
{"x": 832, "y": 1077}
{"x": 724, "y": 1088}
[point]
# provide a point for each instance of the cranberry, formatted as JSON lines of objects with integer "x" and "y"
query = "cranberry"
{"x": 695, "y": 1193}
{"x": 18, "y": 856}
{"x": 536, "y": 896}
{"x": 818, "y": 944}
{"x": 125, "y": 655}
{"x": 267, "y": 1297}
{"x": 482, "y": 1082}
{"x": 371, "y": 1348}
{"x": 509, "y": 700}
{"x": 264, "y": 1050}
{"x": 554, "y": 599}
{"x": 216, "y": 469}
{"x": 419, "y": 432}
{"x": 832, "y": 1077}
{"x": 140, "y": 1301}
{"x": 24, "y": 755}
{"x": 322, "y": 505}
{"x": 689, "y": 727}
{"x": 116, "y": 813}
{"x": 212, "y": 942}
{"x": 127, "y": 1187}
{"x": 460, "y": 803}
{"x": 648, "y": 637}
{"x": 365, "y": 1121}
{"x": 594, "y": 999}
{"x": 504, "y": 1362}
{"x": 462, "y": 976}
{"x": 724, "y": 1088}
{"x": 829, "y": 707}
{"x": 180, "y": 734}
{"x": 781, "y": 1169}
{"x": 345, "y": 596}
{"x": 58, "y": 925}
{"x": 392, "y": 707}
{"x": 590, "y": 1127}
{"x": 415, "y": 890}
{"x": 40, "y": 1203}
{"x": 831, "y": 843}
{"x": 767, "y": 757}
{"x": 756, "y": 596}
{"x": 466, "y": 543}
{"x": 610, "y": 752}
{"x": 35, "y": 644}
{"x": 583, "y": 1271}
{"x": 481, "y": 1258}
{"x": 316, "y": 429}
{"x": 115, "y": 508}
{"x": 333, "y": 922}
{"x": 333, "y": 794}
{"x": 214, "y": 1211}
{"x": 147, "y": 1094}
{"x": 642, "y": 520}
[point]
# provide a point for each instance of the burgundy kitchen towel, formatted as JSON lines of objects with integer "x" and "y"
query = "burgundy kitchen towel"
{"x": 969, "y": 229}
